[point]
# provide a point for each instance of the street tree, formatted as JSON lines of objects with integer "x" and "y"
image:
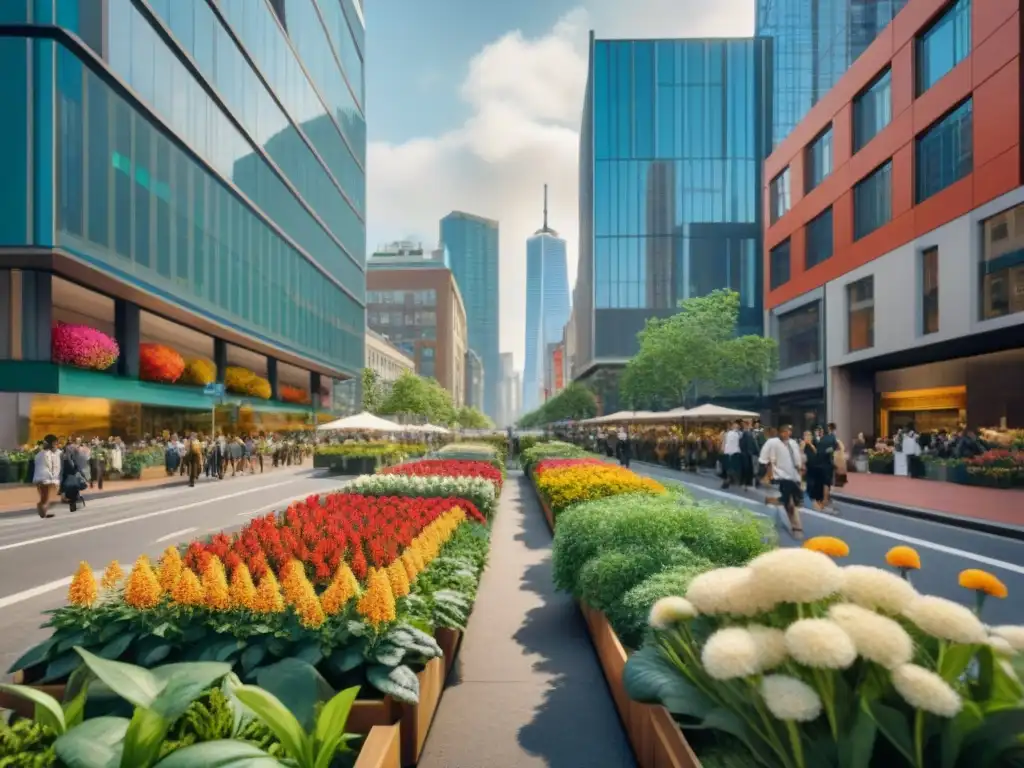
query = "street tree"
{"x": 473, "y": 418}
{"x": 413, "y": 395}
{"x": 373, "y": 391}
{"x": 575, "y": 402}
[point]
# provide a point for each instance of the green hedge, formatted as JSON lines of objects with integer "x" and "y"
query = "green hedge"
{"x": 550, "y": 450}
{"x": 370, "y": 450}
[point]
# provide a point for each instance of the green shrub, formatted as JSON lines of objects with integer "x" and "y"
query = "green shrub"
{"x": 604, "y": 579}
{"x": 727, "y": 536}
{"x": 628, "y": 615}
{"x": 550, "y": 450}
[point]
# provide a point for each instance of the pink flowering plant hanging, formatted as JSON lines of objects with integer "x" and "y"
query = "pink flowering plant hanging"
{"x": 83, "y": 347}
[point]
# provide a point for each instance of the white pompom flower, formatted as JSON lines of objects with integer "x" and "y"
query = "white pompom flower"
{"x": 669, "y": 611}
{"x": 925, "y": 690}
{"x": 712, "y": 592}
{"x": 771, "y": 645}
{"x": 1001, "y": 646}
{"x": 820, "y": 643}
{"x": 945, "y": 619}
{"x": 1011, "y": 633}
{"x": 731, "y": 653}
{"x": 876, "y": 638}
{"x": 794, "y": 576}
{"x": 876, "y": 589}
{"x": 790, "y": 699}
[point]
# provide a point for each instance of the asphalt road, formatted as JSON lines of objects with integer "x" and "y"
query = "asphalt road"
{"x": 945, "y": 550}
{"x": 38, "y": 557}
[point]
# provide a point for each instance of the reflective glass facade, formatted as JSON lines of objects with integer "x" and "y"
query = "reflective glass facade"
{"x": 472, "y": 251}
{"x": 671, "y": 151}
{"x": 945, "y": 152}
{"x": 198, "y": 183}
{"x": 814, "y": 42}
{"x": 547, "y": 310}
{"x": 943, "y": 45}
{"x": 872, "y": 201}
{"x": 872, "y": 110}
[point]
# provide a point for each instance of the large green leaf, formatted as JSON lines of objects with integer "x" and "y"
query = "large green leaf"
{"x": 722, "y": 719}
{"x": 348, "y": 658}
{"x": 151, "y": 651}
{"x": 61, "y": 667}
{"x": 37, "y": 654}
{"x": 985, "y": 746}
{"x": 76, "y": 693}
{"x": 96, "y": 743}
{"x": 221, "y": 650}
{"x": 389, "y": 655}
{"x": 894, "y": 727}
{"x": 183, "y": 684}
{"x": 857, "y": 744}
{"x": 278, "y": 719}
{"x": 330, "y": 726}
{"x": 47, "y": 710}
{"x": 955, "y": 730}
{"x": 297, "y": 685}
{"x": 135, "y": 685}
{"x": 252, "y": 656}
{"x": 311, "y": 653}
{"x": 651, "y": 679}
{"x": 142, "y": 741}
{"x": 399, "y": 682}
{"x": 68, "y": 642}
{"x": 955, "y": 660}
{"x": 219, "y": 754}
{"x": 117, "y": 647}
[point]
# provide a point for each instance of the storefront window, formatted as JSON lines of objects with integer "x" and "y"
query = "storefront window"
{"x": 1002, "y": 264}
{"x": 800, "y": 336}
{"x": 861, "y": 310}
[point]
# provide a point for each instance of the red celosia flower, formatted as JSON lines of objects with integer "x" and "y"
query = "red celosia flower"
{"x": 448, "y": 468}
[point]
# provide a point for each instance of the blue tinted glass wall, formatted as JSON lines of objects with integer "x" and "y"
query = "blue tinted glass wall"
{"x": 547, "y": 309}
{"x": 872, "y": 201}
{"x": 872, "y": 110}
{"x": 943, "y": 45}
{"x": 945, "y": 152}
{"x": 135, "y": 202}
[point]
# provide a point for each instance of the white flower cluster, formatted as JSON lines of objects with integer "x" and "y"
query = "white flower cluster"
{"x": 476, "y": 489}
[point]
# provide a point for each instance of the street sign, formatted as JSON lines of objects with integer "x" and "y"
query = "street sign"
{"x": 216, "y": 389}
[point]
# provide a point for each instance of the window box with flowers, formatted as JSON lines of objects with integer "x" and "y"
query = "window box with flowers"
{"x": 83, "y": 347}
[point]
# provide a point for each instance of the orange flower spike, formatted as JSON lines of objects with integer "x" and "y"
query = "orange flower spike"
{"x": 398, "y": 579}
{"x": 983, "y": 582}
{"x": 828, "y": 545}
{"x": 83, "y": 589}
{"x": 411, "y": 571}
{"x": 112, "y": 576}
{"x": 215, "y": 586}
{"x": 188, "y": 591}
{"x": 242, "y": 592}
{"x": 170, "y": 569}
{"x": 143, "y": 589}
{"x": 903, "y": 558}
{"x": 377, "y": 605}
{"x": 342, "y": 589}
{"x": 268, "y": 595}
{"x": 310, "y": 611}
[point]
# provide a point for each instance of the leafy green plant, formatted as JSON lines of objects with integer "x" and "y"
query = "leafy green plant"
{"x": 606, "y": 577}
{"x": 548, "y": 450}
{"x": 628, "y": 615}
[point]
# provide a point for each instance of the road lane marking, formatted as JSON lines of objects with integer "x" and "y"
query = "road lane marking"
{"x": 911, "y": 540}
{"x": 175, "y": 534}
{"x": 124, "y": 520}
{"x": 42, "y": 589}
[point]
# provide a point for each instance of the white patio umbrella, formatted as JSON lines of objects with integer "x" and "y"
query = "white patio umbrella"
{"x": 434, "y": 428}
{"x": 712, "y": 412}
{"x": 362, "y": 422}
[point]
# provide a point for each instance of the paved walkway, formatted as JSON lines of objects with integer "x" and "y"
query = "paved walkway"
{"x": 526, "y": 689}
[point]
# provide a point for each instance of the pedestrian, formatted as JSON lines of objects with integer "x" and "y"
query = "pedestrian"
{"x": 784, "y": 460}
{"x": 827, "y": 446}
{"x": 625, "y": 448}
{"x": 731, "y": 456}
{"x": 749, "y": 451}
{"x": 47, "y": 474}
{"x": 73, "y": 481}
{"x": 194, "y": 459}
{"x": 813, "y": 473}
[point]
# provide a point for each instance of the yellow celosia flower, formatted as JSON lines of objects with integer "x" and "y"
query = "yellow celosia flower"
{"x": 112, "y": 575}
{"x": 242, "y": 592}
{"x": 564, "y": 486}
{"x": 982, "y": 581}
{"x": 170, "y": 569}
{"x": 828, "y": 545}
{"x": 399, "y": 579}
{"x": 294, "y": 584}
{"x": 215, "y": 586}
{"x": 410, "y": 566}
{"x": 188, "y": 590}
{"x": 904, "y": 558}
{"x": 377, "y": 605}
{"x": 143, "y": 589}
{"x": 311, "y": 613}
{"x": 83, "y": 590}
{"x": 343, "y": 588}
{"x": 417, "y": 559}
{"x": 268, "y": 595}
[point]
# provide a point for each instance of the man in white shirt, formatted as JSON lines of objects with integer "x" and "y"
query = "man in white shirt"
{"x": 731, "y": 455}
{"x": 786, "y": 460}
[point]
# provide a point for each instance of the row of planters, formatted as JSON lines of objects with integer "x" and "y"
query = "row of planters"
{"x": 19, "y": 466}
{"x": 365, "y": 592}
{"x": 1000, "y": 468}
{"x": 363, "y": 458}
{"x": 773, "y": 657}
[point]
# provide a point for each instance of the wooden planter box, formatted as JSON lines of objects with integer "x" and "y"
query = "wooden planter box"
{"x": 656, "y": 739}
{"x": 382, "y": 748}
{"x": 449, "y": 640}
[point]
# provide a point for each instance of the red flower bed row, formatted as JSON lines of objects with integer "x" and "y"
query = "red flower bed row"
{"x": 546, "y": 464}
{"x": 322, "y": 531}
{"x": 448, "y": 468}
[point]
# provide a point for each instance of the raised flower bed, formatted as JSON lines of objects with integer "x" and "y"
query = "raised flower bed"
{"x": 83, "y": 347}
{"x": 363, "y": 458}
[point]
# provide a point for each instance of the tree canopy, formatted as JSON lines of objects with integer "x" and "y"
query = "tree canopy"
{"x": 469, "y": 417}
{"x": 574, "y": 402}
{"x": 373, "y": 391}
{"x": 418, "y": 396}
{"x": 696, "y": 353}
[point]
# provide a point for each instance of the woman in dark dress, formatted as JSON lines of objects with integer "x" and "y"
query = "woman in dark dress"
{"x": 815, "y": 481}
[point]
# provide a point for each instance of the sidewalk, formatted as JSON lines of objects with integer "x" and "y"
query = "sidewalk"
{"x": 526, "y": 689}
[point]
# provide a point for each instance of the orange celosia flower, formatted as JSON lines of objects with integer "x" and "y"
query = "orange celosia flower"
{"x": 377, "y": 605}
{"x": 268, "y": 595}
{"x": 242, "y": 592}
{"x": 83, "y": 590}
{"x": 828, "y": 545}
{"x": 215, "y": 586}
{"x": 904, "y": 558}
{"x": 311, "y": 613}
{"x": 343, "y": 588}
{"x": 410, "y": 566}
{"x": 417, "y": 559}
{"x": 983, "y": 582}
{"x": 294, "y": 584}
{"x": 188, "y": 590}
{"x": 170, "y": 569}
{"x": 112, "y": 576}
{"x": 399, "y": 579}
{"x": 143, "y": 589}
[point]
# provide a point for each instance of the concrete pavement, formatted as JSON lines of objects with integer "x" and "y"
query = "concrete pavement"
{"x": 38, "y": 557}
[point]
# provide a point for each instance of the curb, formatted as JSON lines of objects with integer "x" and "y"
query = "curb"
{"x": 1003, "y": 530}
{"x": 96, "y": 496}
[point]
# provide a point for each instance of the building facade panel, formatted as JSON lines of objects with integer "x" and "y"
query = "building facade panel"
{"x": 547, "y": 311}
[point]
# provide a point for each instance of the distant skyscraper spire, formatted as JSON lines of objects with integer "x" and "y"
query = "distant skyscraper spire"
{"x": 546, "y": 230}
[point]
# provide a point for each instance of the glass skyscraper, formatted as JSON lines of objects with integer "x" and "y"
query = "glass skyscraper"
{"x": 200, "y": 161}
{"x": 547, "y": 307}
{"x": 814, "y": 42}
{"x": 472, "y": 244}
{"x": 671, "y": 149}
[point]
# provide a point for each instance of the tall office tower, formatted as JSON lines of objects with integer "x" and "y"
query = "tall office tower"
{"x": 472, "y": 245}
{"x": 547, "y": 306}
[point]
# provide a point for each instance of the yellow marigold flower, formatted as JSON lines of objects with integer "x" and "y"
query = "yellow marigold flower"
{"x": 188, "y": 590}
{"x": 112, "y": 576}
{"x": 83, "y": 591}
{"x": 377, "y": 605}
{"x": 342, "y": 589}
{"x": 142, "y": 590}
{"x": 398, "y": 578}
{"x": 170, "y": 569}
{"x": 904, "y": 558}
{"x": 828, "y": 545}
{"x": 242, "y": 591}
{"x": 982, "y": 581}
{"x": 268, "y": 595}
{"x": 311, "y": 613}
{"x": 215, "y": 586}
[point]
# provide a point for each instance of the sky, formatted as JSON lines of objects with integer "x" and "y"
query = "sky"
{"x": 475, "y": 111}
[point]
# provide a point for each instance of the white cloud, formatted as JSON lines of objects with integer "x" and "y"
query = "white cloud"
{"x": 526, "y": 98}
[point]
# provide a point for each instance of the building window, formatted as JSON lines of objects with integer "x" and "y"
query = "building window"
{"x": 799, "y": 336}
{"x": 779, "y": 191}
{"x": 818, "y": 160}
{"x": 861, "y": 313}
{"x": 930, "y": 291}
{"x": 819, "y": 239}
{"x": 872, "y": 110}
{"x": 1002, "y": 264}
{"x": 872, "y": 201}
{"x": 943, "y": 45}
{"x": 780, "y": 264}
{"x": 945, "y": 152}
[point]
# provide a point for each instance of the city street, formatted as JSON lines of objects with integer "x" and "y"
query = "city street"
{"x": 945, "y": 550}
{"x": 38, "y": 557}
